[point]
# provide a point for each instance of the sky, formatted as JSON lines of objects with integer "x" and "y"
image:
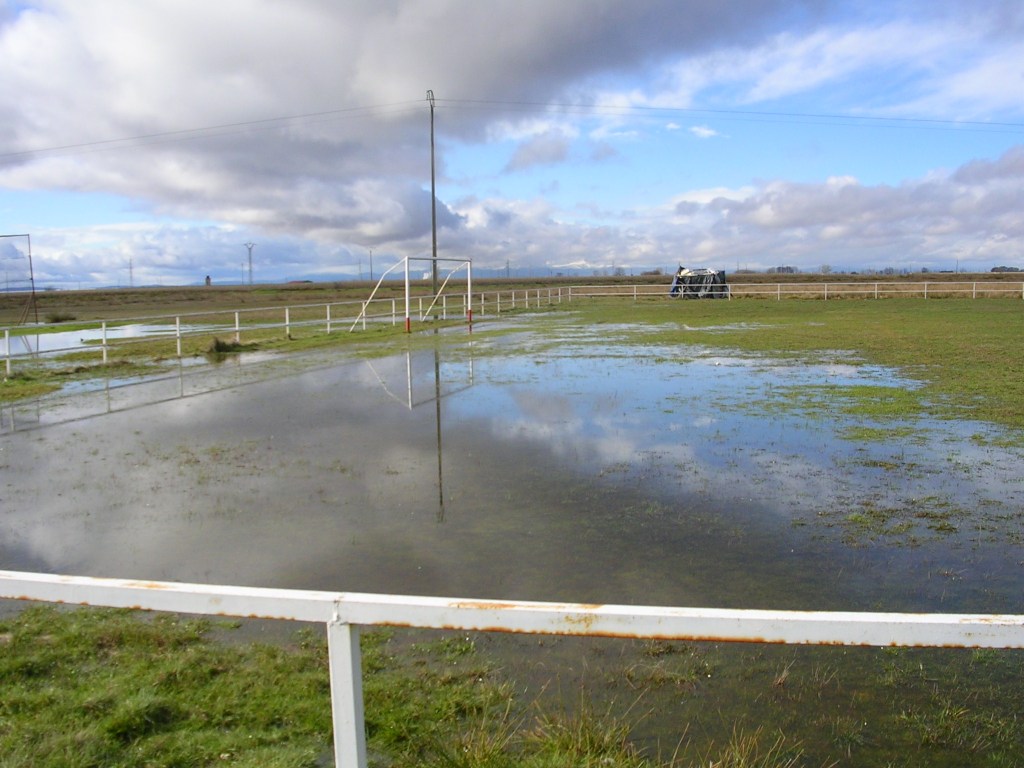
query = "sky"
{"x": 147, "y": 142}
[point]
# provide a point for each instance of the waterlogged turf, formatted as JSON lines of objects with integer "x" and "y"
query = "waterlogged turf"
{"x": 571, "y": 468}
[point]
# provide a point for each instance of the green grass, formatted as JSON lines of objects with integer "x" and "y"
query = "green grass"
{"x": 102, "y": 688}
{"x": 34, "y": 380}
{"x": 965, "y": 352}
{"x": 89, "y": 688}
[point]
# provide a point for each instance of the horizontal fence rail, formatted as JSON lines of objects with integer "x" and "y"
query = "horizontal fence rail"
{"x": 344, "y": 613}
{"x": 825, "y": 290}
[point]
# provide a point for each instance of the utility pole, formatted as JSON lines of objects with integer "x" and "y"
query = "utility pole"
{"x": 433, "y": 201}
{"x": 250, "y": 246}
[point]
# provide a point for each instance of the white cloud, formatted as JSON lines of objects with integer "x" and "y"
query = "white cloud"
{"x": 703, "y": 132}
{"x": 350, "y": 170}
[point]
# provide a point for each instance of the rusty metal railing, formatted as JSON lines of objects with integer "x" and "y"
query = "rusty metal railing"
{"x": 344, "y": 613}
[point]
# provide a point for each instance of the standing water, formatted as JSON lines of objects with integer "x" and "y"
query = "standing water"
{"x": 500, "y": 469}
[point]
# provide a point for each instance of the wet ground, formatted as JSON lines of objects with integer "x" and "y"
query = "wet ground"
{"x": 669, "y": 476}
{"x": 511, "y": 467}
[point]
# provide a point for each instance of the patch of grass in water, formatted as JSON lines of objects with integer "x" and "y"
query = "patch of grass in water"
{"x": 1013, "y": 439}
{"x": 862, "y": 400}
{"x": 220, "y": 349}
{"x": 866, "y": 434}
{"x": 898, "y": 525}
{"x": 24, "y": 384}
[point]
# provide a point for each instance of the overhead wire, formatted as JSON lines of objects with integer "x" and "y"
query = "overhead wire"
{"x": 598, "y": 109}
{"x": 213, "y": 131}
{"x": 497, "y": 105}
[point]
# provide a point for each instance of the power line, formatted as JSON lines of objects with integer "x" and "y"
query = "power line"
{"x": 223, "y": 129}
{"x": 635, "y": 109}
{"x": 580, "y": 108}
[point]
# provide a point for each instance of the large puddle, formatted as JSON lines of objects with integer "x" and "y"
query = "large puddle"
{"x": 85, "y": 338}
{"x": 667, "y": 476}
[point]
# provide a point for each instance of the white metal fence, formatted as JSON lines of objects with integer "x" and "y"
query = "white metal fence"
{"x": 98, "y": 337}
{"x": 344, "y": 613}
{"x": 825, "y": 290}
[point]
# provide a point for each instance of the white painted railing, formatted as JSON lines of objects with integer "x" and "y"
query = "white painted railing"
{"x": 344, "y": 612}
{"x": 30, "y": 342}
{"x": 823, "y": 290}
{"x": 330, "y": 316}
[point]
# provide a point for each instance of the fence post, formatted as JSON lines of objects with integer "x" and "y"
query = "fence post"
{"x": 105, "y": 343}
{"x": 394, "y": 312}
{"x": 7, "y": 349}
{"x": 328, "y": 318}
{"x": 778, "y": 291}
{"x": 876, "y": 290}
{"x": 974, "y": 291}
{"x": 826, "y": 291}
{"x": 346, "y": 695}
{"x": 926, "y": 290}
{"x": 287, "y": 323}
{"x": 177, "y": 336}
{"x": 238, "y": 330}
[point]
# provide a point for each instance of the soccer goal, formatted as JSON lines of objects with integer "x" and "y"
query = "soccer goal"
{"x": 405, "y": 264}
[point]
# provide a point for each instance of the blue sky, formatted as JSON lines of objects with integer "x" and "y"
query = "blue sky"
{"x": 586, "y": 136}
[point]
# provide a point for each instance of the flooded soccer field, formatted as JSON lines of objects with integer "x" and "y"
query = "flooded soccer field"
{"x": 565, "y": 467}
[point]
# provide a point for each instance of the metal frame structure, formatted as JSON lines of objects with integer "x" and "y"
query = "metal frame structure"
{"x": 31, "y": 306}
{"x": 344, "y": 613}
{"x": 437, "y": 291}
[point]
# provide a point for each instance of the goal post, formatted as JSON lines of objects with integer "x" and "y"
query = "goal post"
{"x": 404, "y": 264}
{"x": 459, "y": 264}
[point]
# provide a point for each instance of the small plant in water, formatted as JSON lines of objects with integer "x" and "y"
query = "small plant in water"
{"x": 220, "y": 348}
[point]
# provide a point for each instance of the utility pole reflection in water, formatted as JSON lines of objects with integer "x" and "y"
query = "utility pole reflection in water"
{"x": 410, "y": 402}
{"x": 437, "y": 404}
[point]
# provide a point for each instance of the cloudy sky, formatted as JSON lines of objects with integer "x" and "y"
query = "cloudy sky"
{"x": 147, "y": 141}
